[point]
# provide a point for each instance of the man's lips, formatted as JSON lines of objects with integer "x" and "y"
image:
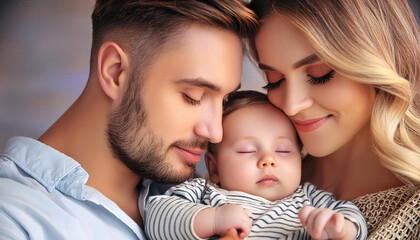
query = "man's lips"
{"x": 310, "y": 124}
{"x": 191, "y": 155}
{"x": 197, "y": 151}
{"x": 268, "y": 180}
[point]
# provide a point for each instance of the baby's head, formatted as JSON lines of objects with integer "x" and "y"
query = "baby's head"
{"x": 260, "y": 150}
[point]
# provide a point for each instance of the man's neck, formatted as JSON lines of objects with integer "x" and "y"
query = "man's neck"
{"x": 81, "y": 134}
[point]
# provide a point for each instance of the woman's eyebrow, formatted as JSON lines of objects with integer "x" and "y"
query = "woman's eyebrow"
{"x": 262, "y": 66}
{"x": 307, "y": 60}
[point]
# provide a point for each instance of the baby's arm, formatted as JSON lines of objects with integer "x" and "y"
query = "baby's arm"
{"x": 218, "y": 220}
{"x": 321, "y": 199}
{"x": 176, "y": 216}
{"x": 326, "y": 223}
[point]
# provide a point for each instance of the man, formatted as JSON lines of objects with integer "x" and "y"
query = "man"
{"x": 160, "y": 71}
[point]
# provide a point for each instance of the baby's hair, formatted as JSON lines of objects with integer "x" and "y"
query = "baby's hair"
{"x": 237, "y": 100}
{"x": 240, "y": 99}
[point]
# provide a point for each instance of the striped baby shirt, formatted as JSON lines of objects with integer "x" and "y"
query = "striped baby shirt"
{"x": 171, "y": 216}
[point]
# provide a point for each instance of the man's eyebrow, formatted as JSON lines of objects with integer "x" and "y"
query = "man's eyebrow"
{"x": 307, "y": 60}
{"x": 199, "y": 82}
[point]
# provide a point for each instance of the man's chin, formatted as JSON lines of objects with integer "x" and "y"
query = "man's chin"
{"x": 174, "y": 179}
{"x": 175, "y": 173}
{"x": 180, "y": 175}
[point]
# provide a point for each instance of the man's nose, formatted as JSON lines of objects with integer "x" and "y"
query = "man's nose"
{"x": 210, "y": 125}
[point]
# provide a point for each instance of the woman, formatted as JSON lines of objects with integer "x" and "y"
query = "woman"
{"x": 347, "y": 73}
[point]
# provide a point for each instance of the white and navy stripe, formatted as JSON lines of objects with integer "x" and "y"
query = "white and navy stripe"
{"x": 171, "y": 216}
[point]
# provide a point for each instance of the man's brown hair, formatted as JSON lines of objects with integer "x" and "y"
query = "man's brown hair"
{"x": 144, "y": 27}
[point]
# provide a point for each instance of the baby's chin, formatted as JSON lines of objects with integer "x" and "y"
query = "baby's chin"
{"x": 268, "y": 193}
{"x": 274, "y": 193}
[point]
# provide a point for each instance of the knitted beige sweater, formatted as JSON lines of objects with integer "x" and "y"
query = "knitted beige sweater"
{"x": 392, "y": 214}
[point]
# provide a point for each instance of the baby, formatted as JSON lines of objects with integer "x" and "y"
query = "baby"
{"x": 255, "y": 186}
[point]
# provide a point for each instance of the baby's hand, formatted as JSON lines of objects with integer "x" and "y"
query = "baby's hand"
{"x": 324, "y": 223}
{"x": 232, "y": 234}
{"x": 232, "y": 216}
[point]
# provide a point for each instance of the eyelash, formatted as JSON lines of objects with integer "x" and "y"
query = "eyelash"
{"x": 312, "y": 80}
{"x": 283, "y": 151}
{"x": 321, "y": 80}
{"x": 245, "y": 151}
{"x": 274, "y": 85}
{"x": 191, "y": 101}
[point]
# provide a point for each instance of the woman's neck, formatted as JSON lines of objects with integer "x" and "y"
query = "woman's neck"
{"x": 352, "y": 171}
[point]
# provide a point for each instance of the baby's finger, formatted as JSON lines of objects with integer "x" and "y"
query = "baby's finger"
{"x": 315, "y": 220}
{"x": 323, "y": 216}
{"x": 335, "y": 226}
{"x": 248, "y": 213}
{"x": 304, "y": 214}
{"x": 242, "y": 235}
{"x": 246, "y": 225}
{"x": 231, "y": 234}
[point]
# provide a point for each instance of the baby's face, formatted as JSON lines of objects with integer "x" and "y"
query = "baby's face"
{"x": 259, "y": 153}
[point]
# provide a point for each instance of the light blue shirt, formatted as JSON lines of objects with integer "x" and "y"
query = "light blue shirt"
{"x": 43, "y": 195}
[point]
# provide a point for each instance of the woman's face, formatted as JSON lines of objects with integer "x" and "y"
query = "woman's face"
{"x": 327, "y": 109}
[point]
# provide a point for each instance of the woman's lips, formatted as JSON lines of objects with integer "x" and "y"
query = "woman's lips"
{"x": 310, "y": 124}
{"x": 192, "y": 156}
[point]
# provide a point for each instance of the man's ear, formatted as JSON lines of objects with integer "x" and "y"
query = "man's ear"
{"x": 112, "y": 70}
{"x": 211, "y": 165}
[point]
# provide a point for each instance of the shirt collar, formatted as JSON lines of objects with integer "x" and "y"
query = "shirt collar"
{"x": 48, "y": 166}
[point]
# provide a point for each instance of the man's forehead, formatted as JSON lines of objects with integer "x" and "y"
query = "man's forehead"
{"x": 211, "y": 58}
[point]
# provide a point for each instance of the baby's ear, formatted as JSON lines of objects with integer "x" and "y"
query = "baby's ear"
{"x": 303, "y": 152}
{"x": 211, "y": 165}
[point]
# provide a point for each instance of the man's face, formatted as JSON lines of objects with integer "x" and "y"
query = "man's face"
{"x": 160, "y": 130}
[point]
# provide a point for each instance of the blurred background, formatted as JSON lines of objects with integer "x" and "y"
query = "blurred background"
{"x": 44, "y": 60}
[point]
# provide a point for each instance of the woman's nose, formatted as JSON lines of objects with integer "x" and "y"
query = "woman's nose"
{"x": 267, "y": 160}
{"x": 294, "y": 98}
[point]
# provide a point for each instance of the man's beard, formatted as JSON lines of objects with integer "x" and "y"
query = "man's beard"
{"x": 135, "y": 144}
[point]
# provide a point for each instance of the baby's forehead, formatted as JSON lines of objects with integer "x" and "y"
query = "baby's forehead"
{"x": 255, "y": 117}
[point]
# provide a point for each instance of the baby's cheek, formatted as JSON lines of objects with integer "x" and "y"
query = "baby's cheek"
{"x": 235, "y": 180}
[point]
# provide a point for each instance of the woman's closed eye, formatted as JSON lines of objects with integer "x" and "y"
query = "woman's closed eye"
{"x": 322, "y": 79}
{"x": 274, "y": 79}
{"x": 311, "y": 79}
{"x": 274, "y": 85}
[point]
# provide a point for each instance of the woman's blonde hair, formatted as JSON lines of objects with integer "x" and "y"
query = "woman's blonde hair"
{"x": 374, "y": 42}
